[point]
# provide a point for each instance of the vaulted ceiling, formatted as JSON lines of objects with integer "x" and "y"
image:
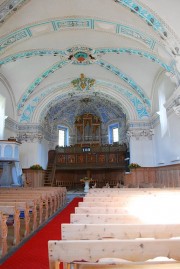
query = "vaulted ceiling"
{"x": 62, "y": 58}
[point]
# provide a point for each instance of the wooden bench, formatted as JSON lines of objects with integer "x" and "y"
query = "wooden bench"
{"x": 102, "y": 210}
{"x": 112, "y": 218}
{"x": 56, "y": 197}
{"x": 70, "y": 231}
{"x": 58, "y": 192}
{"x": 132, "y": 251}
{"x": 3, "y": 234}
{"x": 115, "y": 233}
{"x": 109, "y": 192}
{"x": 41, "y": 200}
{"x": 103, "y": 204}
{"x": 35, "y": 206}
{"x": 32, "y": 203}
{"x": 22, "y": 207}
{"x": 12, "y": 210}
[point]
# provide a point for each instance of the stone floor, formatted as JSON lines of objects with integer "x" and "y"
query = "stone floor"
{"x": 71, "y": 194}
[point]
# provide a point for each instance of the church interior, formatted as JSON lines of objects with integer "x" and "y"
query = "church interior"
{"x": 89, "y": 117}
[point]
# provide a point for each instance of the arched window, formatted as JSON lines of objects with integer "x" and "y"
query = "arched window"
{"x": 162, "y": 111}
{"x": 63, "y": 136}
{"x": 113, "y": 133}
{"x": 2, "y": 116}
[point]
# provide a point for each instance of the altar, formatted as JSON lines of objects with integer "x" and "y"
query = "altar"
{"x": 86, "y": 182}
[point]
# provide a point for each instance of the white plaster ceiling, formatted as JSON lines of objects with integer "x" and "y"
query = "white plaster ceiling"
{"x": 33, "y": 25}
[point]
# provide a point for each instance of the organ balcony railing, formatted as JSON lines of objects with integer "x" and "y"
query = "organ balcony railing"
{"x": 75, "y": 157}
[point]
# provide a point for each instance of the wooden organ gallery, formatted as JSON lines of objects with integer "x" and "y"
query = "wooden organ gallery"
{"x": 88, "y": 157}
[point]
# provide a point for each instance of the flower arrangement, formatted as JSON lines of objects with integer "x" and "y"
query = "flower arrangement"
{"x": 36, "y": 167}
{"x": 133, "y": 165}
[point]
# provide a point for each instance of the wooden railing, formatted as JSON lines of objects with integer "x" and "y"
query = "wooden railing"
{"x": 164, "y": 176}
{"x": 90, "y": 160}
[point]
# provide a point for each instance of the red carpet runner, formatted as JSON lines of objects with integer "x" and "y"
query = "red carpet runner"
{"x": 34, "y": 253}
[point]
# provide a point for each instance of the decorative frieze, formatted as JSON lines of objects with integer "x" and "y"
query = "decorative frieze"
{"x": 30, "y": 137}
{"x": 140, "y": 133}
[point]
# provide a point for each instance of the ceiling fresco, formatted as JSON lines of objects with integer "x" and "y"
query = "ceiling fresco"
{"x": 104, "y": 57}
{"x": 66, "y": 111}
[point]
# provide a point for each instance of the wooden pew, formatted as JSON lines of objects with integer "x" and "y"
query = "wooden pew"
{"x": 120, "y": 199}
{"x": 116, "y": 195}
{"x": 23, "y": 197}
{"x": 3, "y": 234}
{"x": 32, "y": 203}
{"x": 110, "y": 192}
{"x": 21, "y": 206}
{"x": 56, "y": 197}
{"x": 119, "y": 231}
{"x": 59, "y": 193}
{"x": 70, "y": 231}
{"x": 28, "y": 200}
{"x": 41, "y": 199}
{"x": 103, "y": 204}
{"x": 53, "y": 199}
{"x": 12, "y": 210}
{"x": 111, "y": 218}
{"x": 102, "y": 210}
{"x": 132, "y": 251}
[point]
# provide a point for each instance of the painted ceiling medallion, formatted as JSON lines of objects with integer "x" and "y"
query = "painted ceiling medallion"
{"x": 83, "y": 83}
{"x": 81, "y": 55}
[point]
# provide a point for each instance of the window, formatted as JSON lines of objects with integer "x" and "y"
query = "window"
{"x": 162, "y": 111}
{"x": 63, "y": 136}
{"x": 113, "y": 133}
{"x": 2, "y": 116}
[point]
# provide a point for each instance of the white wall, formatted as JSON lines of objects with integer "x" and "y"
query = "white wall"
{"x": 34, "y": 153}
{"x": 43, "y": 149}
{"x": 6, "y": 93}
{"x": 9, "y": 133}
{"x": 28, "y": 154}
{"x": 174, "y": 127}
{"x": 9, "y": 99}
{"x": 167, "y": 147}
{"x": 167, "y": 132}
{"x": 141, "y": 151}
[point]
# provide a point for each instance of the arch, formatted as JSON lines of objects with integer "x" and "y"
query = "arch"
{"x": 8, "y": 152}
{"x": 126, "y": 79}
{"x": 25, "y": 33}
{"x": 154, "y": 21}
{"x": 101, "y": 51}
{"x": 133, "y": 107}
{"x": 38, "y": 80}
{"x": 61, "y": 64}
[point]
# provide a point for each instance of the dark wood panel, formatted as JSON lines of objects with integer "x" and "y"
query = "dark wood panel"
{"x": 71, "y": 178}
{"x": 90, "y": 160}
